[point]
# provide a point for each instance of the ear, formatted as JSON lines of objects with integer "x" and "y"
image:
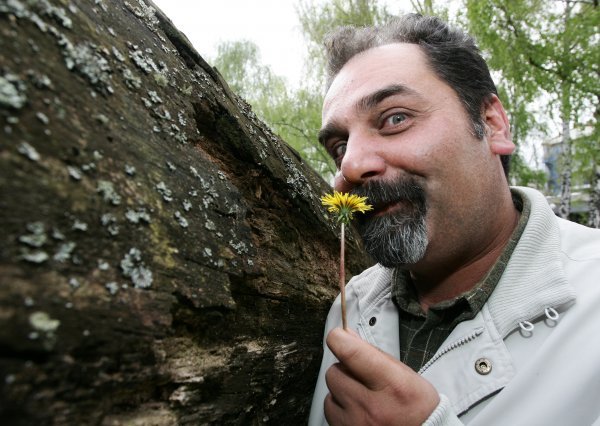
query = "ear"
{"x": 497, "y": 127}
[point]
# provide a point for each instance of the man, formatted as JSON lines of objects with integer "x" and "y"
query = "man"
{"x": 484, "y": 307}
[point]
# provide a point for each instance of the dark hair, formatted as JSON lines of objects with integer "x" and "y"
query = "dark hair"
{"x": 451, "y": 53}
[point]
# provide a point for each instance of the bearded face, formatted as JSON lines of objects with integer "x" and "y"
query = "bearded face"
{"x": 398, "y": 236}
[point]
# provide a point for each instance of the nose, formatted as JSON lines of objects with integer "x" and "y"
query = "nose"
{"x": 361, "y": 162}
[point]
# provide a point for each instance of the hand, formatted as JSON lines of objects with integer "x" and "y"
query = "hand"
{"x": 369, "y": 387}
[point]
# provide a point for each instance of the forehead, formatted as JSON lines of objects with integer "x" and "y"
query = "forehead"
{"x": 392, "y": 64}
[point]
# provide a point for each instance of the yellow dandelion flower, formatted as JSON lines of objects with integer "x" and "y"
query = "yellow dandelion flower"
{"x": 345, "y": 204}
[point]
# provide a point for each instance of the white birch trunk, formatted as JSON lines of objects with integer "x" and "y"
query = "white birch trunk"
{"x": 594, "y": 215}
{"x": 565, "y": 196}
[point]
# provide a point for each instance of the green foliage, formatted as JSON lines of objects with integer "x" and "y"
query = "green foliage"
{"x": 294, "y": 115}
{"x": 544, "y": 50}
{"x": 523, "y": 175}
{"x": 318, "y": 18}
{"x": 428, "y": 7}
{"x": 240, "y": 63}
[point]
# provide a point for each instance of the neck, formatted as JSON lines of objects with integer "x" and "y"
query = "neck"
{"x": 450, "y": 276}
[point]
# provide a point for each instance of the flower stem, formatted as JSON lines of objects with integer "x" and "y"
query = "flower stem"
{"x": 343, "y": 279}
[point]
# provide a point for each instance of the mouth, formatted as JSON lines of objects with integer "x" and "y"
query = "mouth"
{"x": 383, "y": 209}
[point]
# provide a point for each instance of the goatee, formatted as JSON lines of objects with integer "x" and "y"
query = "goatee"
{"x": 400, "y": 237}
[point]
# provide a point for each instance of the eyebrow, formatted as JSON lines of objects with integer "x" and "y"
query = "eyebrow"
{"x": 375, "y": 98}
{"x": 365, "y": 104}
{"x": 330, "y": 130}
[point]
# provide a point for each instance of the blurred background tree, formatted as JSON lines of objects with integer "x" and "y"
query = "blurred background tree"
{"x": 544, "y": 57}
{"x": 547, "y": 55}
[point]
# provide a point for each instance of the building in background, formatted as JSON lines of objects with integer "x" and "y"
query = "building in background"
{"x": 553, "y": 149}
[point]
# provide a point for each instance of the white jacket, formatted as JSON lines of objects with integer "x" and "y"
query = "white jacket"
{"x": 544, "y": 370}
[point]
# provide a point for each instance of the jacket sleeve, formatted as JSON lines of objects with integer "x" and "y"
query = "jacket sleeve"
{"x": 443, "y": 414}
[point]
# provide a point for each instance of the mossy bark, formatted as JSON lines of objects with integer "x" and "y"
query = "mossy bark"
{"x": 164, "y": 257}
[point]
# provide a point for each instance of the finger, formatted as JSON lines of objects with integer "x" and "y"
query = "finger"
{"x": 335, "y": 414}
{"x": 343, "y": 387}
{"x": 367, "y": 364}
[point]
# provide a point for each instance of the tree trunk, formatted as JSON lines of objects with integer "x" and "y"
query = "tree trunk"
{"x": 164, "y": 257}
{"x": 564, "y": 210}
{"x": 594, "y": 203}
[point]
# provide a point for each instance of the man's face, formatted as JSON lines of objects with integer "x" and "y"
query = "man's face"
{"x": 401, "y": 136}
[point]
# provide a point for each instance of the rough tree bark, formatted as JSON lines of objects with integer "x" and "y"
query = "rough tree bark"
{"x": 164, "y": 258}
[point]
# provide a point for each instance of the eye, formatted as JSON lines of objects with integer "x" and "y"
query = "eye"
{"x": 337, "y": 151}
{"x": 395, "y": 119}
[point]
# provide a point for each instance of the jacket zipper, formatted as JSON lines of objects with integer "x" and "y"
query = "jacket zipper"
{"x": 460, "y": 342}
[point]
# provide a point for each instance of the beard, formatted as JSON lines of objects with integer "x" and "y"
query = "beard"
{"x": 398, "y": 238}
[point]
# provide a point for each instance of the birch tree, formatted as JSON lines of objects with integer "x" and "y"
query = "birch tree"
{"x": 547, "y": 54}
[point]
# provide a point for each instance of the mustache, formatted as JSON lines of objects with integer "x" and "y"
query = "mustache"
{"x": 380, "y": 193}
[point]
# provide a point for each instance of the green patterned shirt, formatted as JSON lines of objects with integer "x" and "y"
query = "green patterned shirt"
{"x": 421, "y": 334}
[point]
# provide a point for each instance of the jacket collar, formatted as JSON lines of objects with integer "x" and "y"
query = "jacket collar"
{"x": 534, "y": 278}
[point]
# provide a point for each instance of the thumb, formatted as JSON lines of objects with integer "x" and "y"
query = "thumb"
{"x": 364, "y": 361}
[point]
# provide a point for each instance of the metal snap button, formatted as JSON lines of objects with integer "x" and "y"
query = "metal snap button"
{"x": 483, "y": 366}
{"x": 372, "y": 321}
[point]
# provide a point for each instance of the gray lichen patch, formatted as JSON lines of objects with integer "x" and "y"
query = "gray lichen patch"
{"x": 37, "y": 235}
{"x": 161, "y": 79}
{"x": 103, "y": 265}
{"x": 101, "y": 118}
{"x": 145, "y": 12}
{"x": 85, "y": 59}
{"x": 34, "y": 256}
{"x": 133, "y": 267}
{"x": 143, "y": 62}
{"x": 240, "y": 247}
{"x": 154, "y": 97}
{"x": 74, "y": 172}
{"x": 117, "y": 54}
{"x": 131, "y": 80}
{"x": 195, "y": 173}
{"x": 43, "y": 7}
{"x": 74, "y": 283}
{"x": 296, "y": 180}
{"x": 166, "y": 193}
{"x": 109, "y": 221}
{"x": 14, "y": 7}
{"x": 41, "y": 321}
{"x": 112, "y": 287}
{"x": 104, "y": 9}
{"x": 107, "y": 189}
{"x": 44, "y": 326}
{"x": 130, "y": 170}
{"x": 178, "y": 135}
{"x": 181, "y": 219}
{"x": 64, "y": 252}
{"x": 57, "y": 234}
{"x": 39, "y": 80}
{"x": 12, "y": 91}
{"x": 78, "y": 225}
{"x": 137, "y": 216}
{"x": 42, "y": 117}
